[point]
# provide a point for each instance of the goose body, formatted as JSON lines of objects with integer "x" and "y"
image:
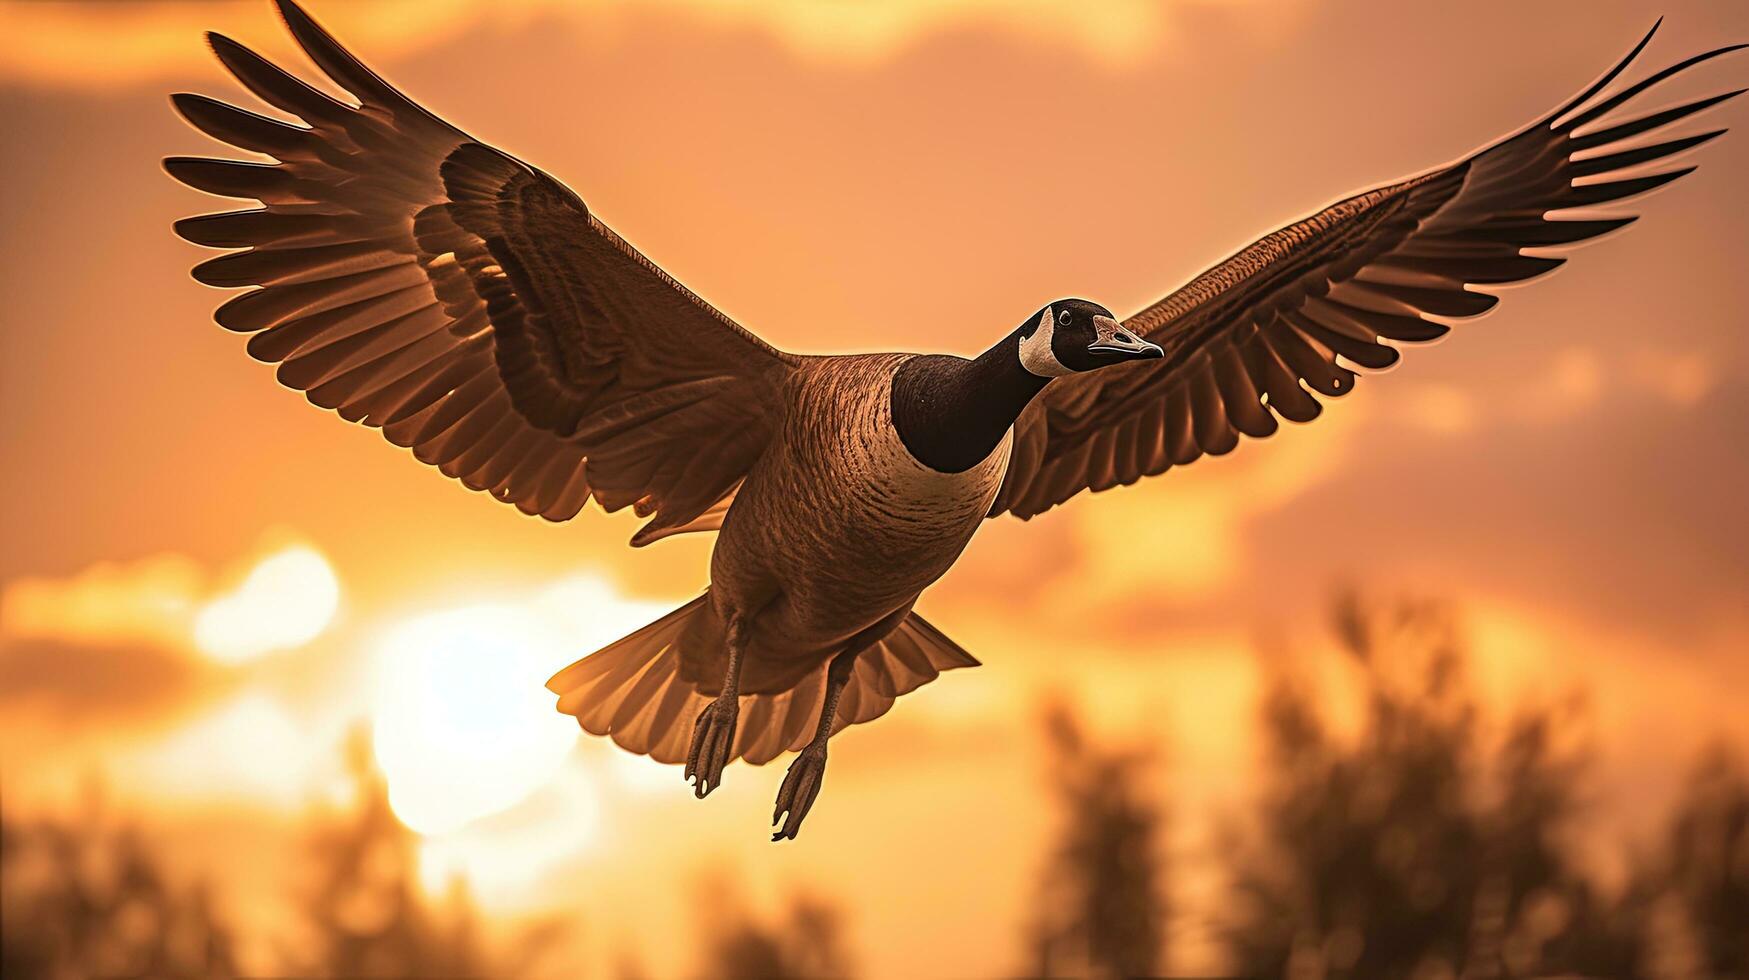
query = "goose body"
{"x": 413, "y": 279}
{"x": 838, "y": 526}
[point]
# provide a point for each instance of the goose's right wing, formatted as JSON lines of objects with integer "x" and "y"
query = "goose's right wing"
{"x": 1282, "y": 322}
{"x": 470, "y": 305}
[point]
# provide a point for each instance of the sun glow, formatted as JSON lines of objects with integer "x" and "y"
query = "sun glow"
{"x": 247, "y": 748}
{"x": 286, "y": 601}
{"x": 507, "y": 860}
{"x": 464, "y": 725}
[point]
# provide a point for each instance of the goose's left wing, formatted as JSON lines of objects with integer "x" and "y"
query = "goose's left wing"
{"x": 413, "y": 279}
{"x": 1246, "y": 340}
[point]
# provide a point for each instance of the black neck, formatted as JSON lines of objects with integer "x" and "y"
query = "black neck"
{"x": 952, "y": 412}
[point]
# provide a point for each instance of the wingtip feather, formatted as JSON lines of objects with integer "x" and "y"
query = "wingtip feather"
{"x": 1608, "y": 76}
{"x": 220, "y": 43}
{"x": 296, "y": 18}
{"x": 188, "y": 229}
{"x": 339, "y": 64}
{"x": 233, "y": 54}
{"x": 1621, "y": 98}
{"x": 188, "y": 105}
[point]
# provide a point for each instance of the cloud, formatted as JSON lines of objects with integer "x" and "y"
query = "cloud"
{"x": 246, "y": 747}
{"x": 109, "y": 642}
{"x": 1440, "y": 409}
{"x": 80, "y": 45}
{"x": 1571, "y": 384}
{"x": 113, "y": 681}
{"x": 105, "y": 45}
{"x": 281, "y": 601}
{"x": 147, "y": 602}
{"x": 1184, "y": 535}
{"x": 126, "y": 639}
{"x": 1682, "y": 378}
{"x": 287, "y": 600}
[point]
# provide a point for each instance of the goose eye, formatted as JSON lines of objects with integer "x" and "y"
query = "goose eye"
{"x": 1063, "y": 318}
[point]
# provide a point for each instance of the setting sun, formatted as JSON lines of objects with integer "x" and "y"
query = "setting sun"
{"x": 464, "y": 726}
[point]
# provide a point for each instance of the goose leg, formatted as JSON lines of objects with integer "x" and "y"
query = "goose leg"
{"x": 713, "y": 734}
{"x": 802, "y": 783}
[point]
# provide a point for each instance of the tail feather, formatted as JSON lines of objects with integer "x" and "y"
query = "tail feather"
{"x": 632, "y": 691}
{"x": 587, "y": 672}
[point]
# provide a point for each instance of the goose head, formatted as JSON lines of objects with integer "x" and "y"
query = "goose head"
{"x": 1071, "y": 336}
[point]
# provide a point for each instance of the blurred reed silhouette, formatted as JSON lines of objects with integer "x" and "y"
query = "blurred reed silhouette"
{"x": 1694, "y": 893}
{"x": 365, "y": 915}
{"x": 1411, "y": 840}
{"x": 1416, "y": 847}
{"x": 805, "y": 941}
{"x": 1101, "y": 907}
{"x": 89, "y": 898}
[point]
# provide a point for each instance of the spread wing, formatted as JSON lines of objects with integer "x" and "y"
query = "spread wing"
{"x": 470, "y": 306}
{"x": 1289, "y": 318}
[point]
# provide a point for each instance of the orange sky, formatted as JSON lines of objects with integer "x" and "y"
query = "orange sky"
{"x": 1567, "y": 468}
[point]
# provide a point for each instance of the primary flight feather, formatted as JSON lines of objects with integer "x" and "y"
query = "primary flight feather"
{"x": 472, "y": 308}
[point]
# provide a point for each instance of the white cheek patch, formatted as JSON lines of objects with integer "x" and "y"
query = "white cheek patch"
{"x": 1035, "y": 351}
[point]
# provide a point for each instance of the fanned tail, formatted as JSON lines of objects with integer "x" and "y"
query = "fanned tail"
{"x": 632, "y": 691}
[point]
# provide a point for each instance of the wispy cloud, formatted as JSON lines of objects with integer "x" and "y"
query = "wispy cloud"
{"x": 1185, "y": 535}
{"x": 1682, "y": 378}
{"x": 121, "y": 683}
{"x": 1438, "y": 408}
{"x": 87, "y": 45}
{"x": 279, "y": 599}
{"x": 128, "y": 640}
{"x": 150, "y": 601}
{"x": 1571, "y": 384}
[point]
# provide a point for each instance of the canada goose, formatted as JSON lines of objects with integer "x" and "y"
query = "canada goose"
{"x": 474, "y": 309}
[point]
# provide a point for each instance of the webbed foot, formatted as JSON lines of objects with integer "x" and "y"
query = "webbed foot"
{"x": 713, "y": 738}
{"x": 800, "y": 786}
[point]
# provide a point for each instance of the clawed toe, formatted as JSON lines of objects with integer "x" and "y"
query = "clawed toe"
{"x": 800, "y": 786}
{"x": 713, "y": 738}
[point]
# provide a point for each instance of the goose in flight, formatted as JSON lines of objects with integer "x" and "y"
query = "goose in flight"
{"x": 410, "y": 278}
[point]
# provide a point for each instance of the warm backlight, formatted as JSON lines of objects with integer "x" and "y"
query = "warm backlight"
{"x": 285, "y": 602}
{"x": 464, "y": 724}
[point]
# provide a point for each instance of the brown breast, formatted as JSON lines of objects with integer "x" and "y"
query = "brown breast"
{"x": 838, "y": 515}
